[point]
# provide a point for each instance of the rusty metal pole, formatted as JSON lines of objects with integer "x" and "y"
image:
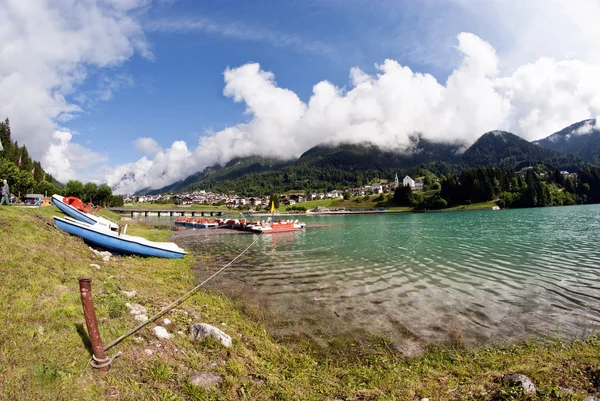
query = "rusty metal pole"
{"x": 100, "y": 359}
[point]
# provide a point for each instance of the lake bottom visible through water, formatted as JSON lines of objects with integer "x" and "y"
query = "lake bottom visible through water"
{"x": 473, "y": 277}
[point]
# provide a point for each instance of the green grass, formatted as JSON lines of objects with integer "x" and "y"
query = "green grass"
{"x": 354, "y": 203}
{"x": 43, "y": 354}
{"x": 474, "y": 206}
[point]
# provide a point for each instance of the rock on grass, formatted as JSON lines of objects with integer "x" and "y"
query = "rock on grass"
{"x": 162, "y": 333}
{"x": 200, "y": 331}
{"x": 205, "y": 379}
{"x": 520, "y": 380}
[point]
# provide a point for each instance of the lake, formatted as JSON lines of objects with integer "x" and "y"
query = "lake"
{"x": 481, "y": 276}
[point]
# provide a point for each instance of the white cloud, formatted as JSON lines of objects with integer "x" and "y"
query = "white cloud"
{"x": 167, "y": 167}
{"x": 147, "y": 146}
{"x": 586, "y": 128}
{"x": 240, "y": 31}
{"x": 64, "y": 158}
{"x": 525, "y": 31}
{"x": 385, "y": 109}
{"x": 46, "y": 49}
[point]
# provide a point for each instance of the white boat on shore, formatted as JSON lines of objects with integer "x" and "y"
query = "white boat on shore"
{"x": 97, "y": 234}
{"x": 77, "y": 213}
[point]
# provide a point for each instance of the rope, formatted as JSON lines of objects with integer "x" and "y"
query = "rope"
{"x": 102, "y": 363}
{"x": 177, "y": 301}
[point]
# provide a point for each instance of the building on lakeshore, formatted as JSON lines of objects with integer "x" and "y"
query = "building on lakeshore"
{"x": 415, "y": 185}
{"x": 408, "y": 182}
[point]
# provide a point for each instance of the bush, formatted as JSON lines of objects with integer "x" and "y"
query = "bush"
{"x": 296, "y": 209}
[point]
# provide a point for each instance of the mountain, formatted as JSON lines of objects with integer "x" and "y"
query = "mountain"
{"x": 509, "y": 151}
{"x": 325, "y": 167}
{"x": 354, "y": 157}
{"x": 235, "y": 168}
{"x": 581, "y": 139}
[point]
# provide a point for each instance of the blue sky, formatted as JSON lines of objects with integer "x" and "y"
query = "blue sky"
{"x": 177, "y": 94}
{"x": 141, "y": 93}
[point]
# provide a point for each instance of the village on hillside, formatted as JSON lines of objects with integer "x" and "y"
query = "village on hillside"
{"x": 233, "y": 201}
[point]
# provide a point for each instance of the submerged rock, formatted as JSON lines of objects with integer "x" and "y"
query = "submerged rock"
{"x": 522, "y": 380}
{"x": 200, "y": 331}
{"x": 205, "y": 379}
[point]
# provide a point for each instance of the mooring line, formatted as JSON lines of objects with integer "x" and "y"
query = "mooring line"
{"x": 177, "y": 301}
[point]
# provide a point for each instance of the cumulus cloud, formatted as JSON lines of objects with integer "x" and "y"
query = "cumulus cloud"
{"x": 167, "y": 167}
{"x": 46, "y": 50}
{"x": 64, "y": 158}
{"x": 385, "y": 109}
{"x": 147, "y": 146}
{"x": 526, "y": 31}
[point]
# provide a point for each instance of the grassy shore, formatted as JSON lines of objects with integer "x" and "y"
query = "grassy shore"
{"x": 43, "y": 354}
{"x": 374, "y": 202}
{"x": 171, "y": 206}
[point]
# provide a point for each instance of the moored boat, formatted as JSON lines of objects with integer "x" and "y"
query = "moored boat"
{"x": 77, "y": 210}
{"x": 97, "y": 234}
{"x": 277, "y": 226}
{"x": 199, "y": 222}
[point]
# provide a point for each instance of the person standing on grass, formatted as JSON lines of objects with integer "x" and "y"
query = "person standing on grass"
{"x": 5, "y": 194}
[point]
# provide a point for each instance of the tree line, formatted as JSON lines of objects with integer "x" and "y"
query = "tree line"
{"x": 26, "y": 175}
{"x": 531, "y": 187}
{"x": 23, "y": 174}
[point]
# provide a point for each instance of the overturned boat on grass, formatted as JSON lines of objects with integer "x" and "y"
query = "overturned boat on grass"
{"x": 75, "y": 208}
{"x": 100, "y": 235}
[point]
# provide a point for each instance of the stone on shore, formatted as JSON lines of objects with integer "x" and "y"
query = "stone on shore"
{"x": 138, "y": 312}
{"x": 591, "y": 398}
{"x": 201, "y": 331}
{"x": 162, "y": 333}
{"x": 129, "y": 294}
{"x": 205, "y": 379}
{"x": 105, "y": 255}
{"x": 136, "y": 309}
{"x": 520, "y": 380}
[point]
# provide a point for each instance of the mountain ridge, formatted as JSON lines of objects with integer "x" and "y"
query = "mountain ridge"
{"x": 331, "y": 166}
{"x": 581, "y": 139}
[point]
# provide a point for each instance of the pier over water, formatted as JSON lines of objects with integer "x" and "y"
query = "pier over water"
{"x": 167, "y": 212}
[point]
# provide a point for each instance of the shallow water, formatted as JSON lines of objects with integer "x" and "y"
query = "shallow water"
{"x": 486, "y": 276}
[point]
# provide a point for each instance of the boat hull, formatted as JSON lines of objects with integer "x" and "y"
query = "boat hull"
{"x": 81, "y": 216}
{"x": 121, "y": 243}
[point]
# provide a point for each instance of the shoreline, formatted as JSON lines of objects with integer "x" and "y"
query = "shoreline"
{"x": 40, "y": 267}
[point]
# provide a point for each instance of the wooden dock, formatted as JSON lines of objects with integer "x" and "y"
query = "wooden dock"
{"x": 167, "y": 212}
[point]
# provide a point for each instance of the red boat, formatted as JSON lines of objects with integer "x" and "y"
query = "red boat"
{"x": 277, "y": 226}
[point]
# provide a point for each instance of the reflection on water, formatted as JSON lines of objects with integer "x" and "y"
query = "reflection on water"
{"x": 490, "y": 276}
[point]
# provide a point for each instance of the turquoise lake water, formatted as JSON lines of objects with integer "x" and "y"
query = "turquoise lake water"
{"x": 487, "y": 276}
